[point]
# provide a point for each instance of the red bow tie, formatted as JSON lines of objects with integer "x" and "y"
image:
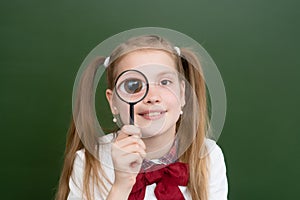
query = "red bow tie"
{"x": 167, "y": 180}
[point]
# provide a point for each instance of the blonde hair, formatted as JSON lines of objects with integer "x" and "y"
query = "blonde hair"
{"x": 194, "y": 123}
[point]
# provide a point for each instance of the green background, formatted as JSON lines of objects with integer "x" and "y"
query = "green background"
{"x": 254, "y": 43}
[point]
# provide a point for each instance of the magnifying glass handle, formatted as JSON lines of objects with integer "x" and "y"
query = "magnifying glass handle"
{"x": 131, "y": 111}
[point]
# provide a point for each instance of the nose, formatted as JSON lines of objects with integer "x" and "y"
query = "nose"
{"x": 153, "y": 95}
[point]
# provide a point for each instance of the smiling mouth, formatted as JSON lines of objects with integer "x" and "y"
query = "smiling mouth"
{"x": 152, "y": 115}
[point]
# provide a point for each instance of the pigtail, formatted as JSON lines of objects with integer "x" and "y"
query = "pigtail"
{"x": 196, "y": 117}
{"x": 84, "y": 116}
{"x": 73, "y": 144}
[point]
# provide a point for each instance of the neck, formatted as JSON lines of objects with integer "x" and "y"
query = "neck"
{"x": 159, "y": 145}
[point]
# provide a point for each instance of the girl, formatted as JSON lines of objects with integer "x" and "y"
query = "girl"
{"x": 166, "y": 154}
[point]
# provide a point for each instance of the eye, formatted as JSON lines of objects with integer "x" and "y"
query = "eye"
{"x": 132, "y": 86}
{"x": 165, "y": 82}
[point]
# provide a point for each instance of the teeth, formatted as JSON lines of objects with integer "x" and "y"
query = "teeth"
{"x": 153, "y": 114}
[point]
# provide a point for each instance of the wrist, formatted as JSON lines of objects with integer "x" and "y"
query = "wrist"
{"x": 119, "y": 191}
{"x": 125, "y": 181}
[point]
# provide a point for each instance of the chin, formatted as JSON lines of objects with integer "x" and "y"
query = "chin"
{"x": 151, "y": 132}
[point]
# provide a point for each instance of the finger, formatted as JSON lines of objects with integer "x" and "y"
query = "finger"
{"x": 134, "y": 148}
{"x": 129, "y": 141}
{"x": 131, "y": 130}
{"x": 127, "y": 159}
{"x": 133, "y": 158}
{"x": 131, "y": 148}
{"x": 121, "y": 136}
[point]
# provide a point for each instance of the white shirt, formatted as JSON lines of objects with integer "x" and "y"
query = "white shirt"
{"x": 217, "y": 186}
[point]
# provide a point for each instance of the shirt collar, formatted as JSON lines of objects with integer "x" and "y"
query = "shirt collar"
{"x": 168, "y": 158}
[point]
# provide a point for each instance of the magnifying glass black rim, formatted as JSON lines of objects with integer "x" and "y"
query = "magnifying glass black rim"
{"x": 147, "y": 85}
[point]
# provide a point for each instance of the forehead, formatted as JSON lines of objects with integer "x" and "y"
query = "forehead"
{"x": 139, "y": 58}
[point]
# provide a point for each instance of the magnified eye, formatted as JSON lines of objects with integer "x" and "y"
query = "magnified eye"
{"x": 132, "y": 86}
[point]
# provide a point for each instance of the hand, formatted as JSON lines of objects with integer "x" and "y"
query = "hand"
{"x": 128, "y": 152}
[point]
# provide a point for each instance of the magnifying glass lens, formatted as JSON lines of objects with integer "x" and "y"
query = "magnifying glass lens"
{"x": 131, "y": 86}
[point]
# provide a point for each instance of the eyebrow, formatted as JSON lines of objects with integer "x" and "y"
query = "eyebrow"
{"x": 168, "y": 72}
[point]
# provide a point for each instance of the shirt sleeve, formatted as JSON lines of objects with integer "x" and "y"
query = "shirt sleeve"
{"x": 76, "y": 179}
{"x": 218, "y": 185}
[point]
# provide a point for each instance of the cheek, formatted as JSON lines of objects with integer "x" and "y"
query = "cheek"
{"x": 123, "y": 110}
{"x": 172, "y": 96}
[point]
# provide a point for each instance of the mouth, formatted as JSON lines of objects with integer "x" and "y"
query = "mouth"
{"x": 152, "y": 115}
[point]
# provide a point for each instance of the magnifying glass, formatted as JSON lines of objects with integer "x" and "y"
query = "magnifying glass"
{"x": 131, "y": 86}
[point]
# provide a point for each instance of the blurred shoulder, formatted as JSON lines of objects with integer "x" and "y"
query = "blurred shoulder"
{"x": 214, "y": 151}
{"x": 218, "y": 184}
{"x": 104, "y": 149}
